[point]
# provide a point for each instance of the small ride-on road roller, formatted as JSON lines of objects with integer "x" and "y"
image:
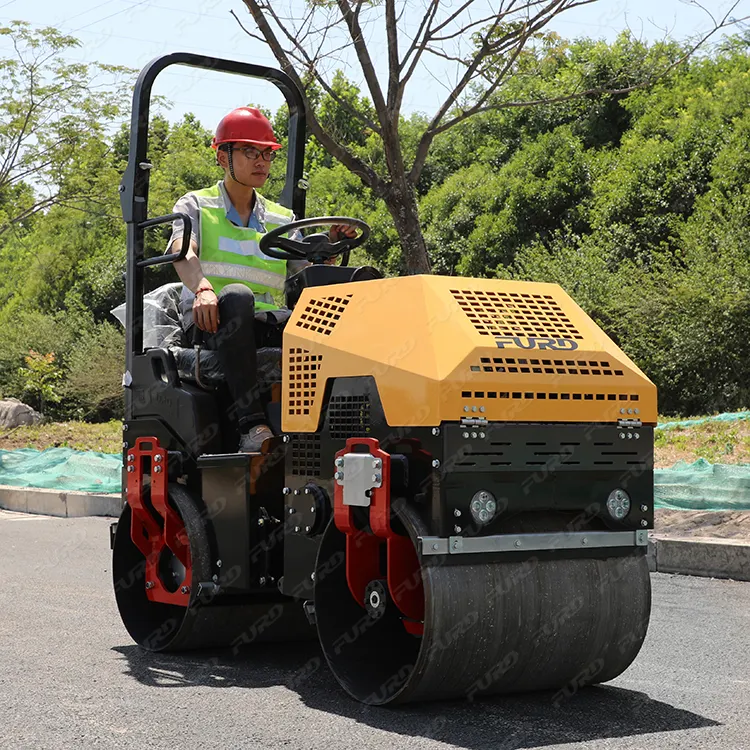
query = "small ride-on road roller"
{"x": 457, "y": 497}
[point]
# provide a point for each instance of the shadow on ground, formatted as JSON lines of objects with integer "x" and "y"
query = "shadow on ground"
{"x": 501, "y": 723}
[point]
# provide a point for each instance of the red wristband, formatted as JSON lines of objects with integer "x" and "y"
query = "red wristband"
{"x": 203, "y": 289}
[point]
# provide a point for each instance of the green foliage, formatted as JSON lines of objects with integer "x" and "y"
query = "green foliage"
{"x": 25, "y": 330}
{"x": 94, "y": 377}
{"x": 335, "y": 191}
{"x": 637, "y": 203}
{"x": 39, "y": 379}
{"x": 687, "y": 332}
{"x": 54, "y": 116}
{"x": 477, "y": 220}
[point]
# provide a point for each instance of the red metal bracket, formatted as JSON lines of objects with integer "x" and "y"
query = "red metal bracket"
{"x": 403, "y": 572}
{"x": 155, "y": 525}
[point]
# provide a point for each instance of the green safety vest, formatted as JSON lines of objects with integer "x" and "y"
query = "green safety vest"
{"x": 230, "y": 254}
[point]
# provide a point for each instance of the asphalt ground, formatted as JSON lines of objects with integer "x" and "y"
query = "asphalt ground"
{"x": 70, "y": 676}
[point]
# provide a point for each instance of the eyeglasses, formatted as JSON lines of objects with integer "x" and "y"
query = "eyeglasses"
{"x": 252, "y": 153}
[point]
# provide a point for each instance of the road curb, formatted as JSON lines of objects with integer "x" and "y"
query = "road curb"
{"x": 59, "y": 503}
{"x": 707, "y": 557}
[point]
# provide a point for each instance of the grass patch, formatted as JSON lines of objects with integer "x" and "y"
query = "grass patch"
{"x": 105, "y": 437}
{"x": 717, "y": 442}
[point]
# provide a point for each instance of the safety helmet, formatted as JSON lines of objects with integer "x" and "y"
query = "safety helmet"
{"x": 245, "y": 125}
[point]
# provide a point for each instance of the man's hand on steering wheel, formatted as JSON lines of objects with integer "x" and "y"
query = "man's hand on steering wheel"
{"x": 341, "y": 239}
{"x": 337, "y": 232}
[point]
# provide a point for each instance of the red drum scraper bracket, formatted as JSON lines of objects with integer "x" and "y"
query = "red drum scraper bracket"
{"x": 156, "y": 529}
{"x": 363, "y": 558}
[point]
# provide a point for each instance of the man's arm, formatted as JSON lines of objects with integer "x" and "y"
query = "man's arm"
{"x": 205, "y": 306}
{"x": 189, "y": 268}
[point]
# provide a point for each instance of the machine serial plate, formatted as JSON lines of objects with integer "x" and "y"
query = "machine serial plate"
{"x": 459, "y": 545}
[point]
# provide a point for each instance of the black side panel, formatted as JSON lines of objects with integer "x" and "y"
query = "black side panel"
{"x": 531, "y": 468}
{"x": 190, "y": 412}
{"x": 226, "y": 488}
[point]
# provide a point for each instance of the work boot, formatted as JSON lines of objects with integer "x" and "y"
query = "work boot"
{"x": 252, "y": 440}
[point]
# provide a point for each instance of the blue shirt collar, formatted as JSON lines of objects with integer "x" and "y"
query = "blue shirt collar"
{"x": 254, "y": 221}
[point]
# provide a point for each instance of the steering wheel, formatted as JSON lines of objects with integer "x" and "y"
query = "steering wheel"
{"x": 316, "y": 248}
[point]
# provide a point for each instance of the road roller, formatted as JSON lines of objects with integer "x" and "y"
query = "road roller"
{"x": 457, "y": 497}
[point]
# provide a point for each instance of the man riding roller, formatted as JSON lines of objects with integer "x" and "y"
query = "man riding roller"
{"x": 225, "y": 276}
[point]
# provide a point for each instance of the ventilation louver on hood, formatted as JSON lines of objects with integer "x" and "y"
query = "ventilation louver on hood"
{"x": 322, "y": 314}
{"x": 515, "y": 314}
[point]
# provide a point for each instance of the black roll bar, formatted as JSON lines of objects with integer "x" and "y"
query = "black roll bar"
{"x": 135, "y": 180}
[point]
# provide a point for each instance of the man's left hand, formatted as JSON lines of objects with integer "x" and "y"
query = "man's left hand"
{"x": 339, "y": 231}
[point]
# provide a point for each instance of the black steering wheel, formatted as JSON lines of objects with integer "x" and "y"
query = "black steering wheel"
{"x": 316, "y": 248}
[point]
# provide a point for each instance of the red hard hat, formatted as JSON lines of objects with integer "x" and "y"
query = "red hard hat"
{"x": 245, "y": 125}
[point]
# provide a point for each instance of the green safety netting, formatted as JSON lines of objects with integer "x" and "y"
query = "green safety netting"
{"x": 702, "y": 485}
{"x": 61, "y": 468}
{"x": 687, "y": 486}
{"x": 726, "y": 417}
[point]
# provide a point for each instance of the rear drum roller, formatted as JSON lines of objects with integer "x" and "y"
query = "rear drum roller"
{"x": 488, "y": 627}
{"x": 212, "y": 622}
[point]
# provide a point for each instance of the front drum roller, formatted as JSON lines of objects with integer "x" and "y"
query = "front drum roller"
{"x": 488, "y": 628}
{"x": 205, "y": 622}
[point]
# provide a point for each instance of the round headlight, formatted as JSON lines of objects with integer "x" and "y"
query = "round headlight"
{"x": 618, "y": 504}
{"x": 483, "y": 507}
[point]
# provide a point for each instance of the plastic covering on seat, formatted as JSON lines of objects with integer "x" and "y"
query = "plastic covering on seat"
{"x": 162, "y": 328}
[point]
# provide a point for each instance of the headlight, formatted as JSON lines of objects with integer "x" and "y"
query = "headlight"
{"x": 483, "y": 507}
{"x": 618, "y": 504}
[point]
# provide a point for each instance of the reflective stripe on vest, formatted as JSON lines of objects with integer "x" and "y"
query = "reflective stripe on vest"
{"x": 255, "y": 276}
{"x": 232, "y": 254}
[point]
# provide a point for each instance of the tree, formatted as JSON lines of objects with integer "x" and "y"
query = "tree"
{"x": 478, "y": 219}
{"x": 489, "y": 43}
{"x": 51, "y": 111}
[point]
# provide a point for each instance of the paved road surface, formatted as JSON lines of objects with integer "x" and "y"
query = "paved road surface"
{"x": 70, "y": 677}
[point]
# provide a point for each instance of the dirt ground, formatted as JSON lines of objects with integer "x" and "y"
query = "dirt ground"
{"x": 713, "y": 523}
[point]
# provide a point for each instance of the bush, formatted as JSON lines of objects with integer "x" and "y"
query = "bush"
{"x": 478, "y": 219}
{"x": 94, "y": 380}
{"x": 24, "y": 331}
{"x": 40, "y": 377}
{"x": 687, "y": 333}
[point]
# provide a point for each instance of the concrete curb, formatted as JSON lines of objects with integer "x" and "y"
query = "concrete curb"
{"x": 59, "y": 503}
{"x": 708, "y": 557}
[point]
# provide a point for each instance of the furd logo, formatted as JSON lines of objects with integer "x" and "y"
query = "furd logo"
{"x": 532, "y": 342}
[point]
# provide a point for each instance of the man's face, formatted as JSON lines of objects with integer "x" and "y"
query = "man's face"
{"x": 251, "y": 163}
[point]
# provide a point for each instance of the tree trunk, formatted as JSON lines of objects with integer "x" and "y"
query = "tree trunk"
{"x": 402, "y": 205}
